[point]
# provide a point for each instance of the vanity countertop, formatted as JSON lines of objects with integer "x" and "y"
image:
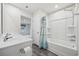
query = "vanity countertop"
{"x": 16, "y": 39}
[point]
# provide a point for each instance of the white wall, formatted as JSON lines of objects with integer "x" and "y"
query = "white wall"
{"x": 0, "y": 17}
{"x": 36, "y": 25}
{"x": 12, "y": 17}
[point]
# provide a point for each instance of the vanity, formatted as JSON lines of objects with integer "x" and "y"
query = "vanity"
{"x": 17, "y": 45}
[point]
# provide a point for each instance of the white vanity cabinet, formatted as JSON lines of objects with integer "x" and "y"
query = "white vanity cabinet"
{"x": 18, "y": 45}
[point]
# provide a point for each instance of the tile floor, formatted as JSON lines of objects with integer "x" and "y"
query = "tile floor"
{"x": 36, "y": 51}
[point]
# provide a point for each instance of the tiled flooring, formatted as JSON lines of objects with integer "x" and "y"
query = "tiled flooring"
{"x": 36, "y": 51}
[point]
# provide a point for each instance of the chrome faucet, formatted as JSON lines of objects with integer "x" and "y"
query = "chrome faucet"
{"x": 6, "y": 37}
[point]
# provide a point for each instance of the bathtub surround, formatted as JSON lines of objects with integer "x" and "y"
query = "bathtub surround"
{"x": 77, "y": 17}
{"x": 59, "y": 32}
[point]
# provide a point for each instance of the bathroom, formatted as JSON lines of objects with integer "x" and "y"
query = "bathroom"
{"x": 39, "y": 29}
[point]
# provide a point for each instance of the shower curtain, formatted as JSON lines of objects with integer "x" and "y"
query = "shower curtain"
{"x": 43, "y": 39}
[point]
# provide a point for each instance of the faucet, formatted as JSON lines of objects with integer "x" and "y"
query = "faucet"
{"x": 6, "y": 37}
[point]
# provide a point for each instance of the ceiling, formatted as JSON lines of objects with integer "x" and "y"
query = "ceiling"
{"x": 47, "y": 7}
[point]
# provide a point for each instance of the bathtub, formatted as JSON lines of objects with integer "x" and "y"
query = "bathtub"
{"x": 15, "y": 46}
{"x": 62, "y": 48}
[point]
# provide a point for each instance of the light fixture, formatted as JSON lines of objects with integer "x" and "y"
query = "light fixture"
{"x": 56, "y": 6}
